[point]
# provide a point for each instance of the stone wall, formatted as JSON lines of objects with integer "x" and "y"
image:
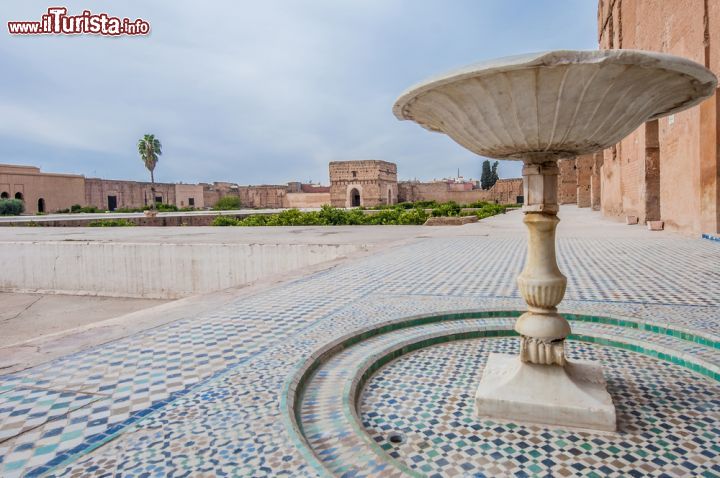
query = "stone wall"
{"x": 567, "y": 181}
{"x": 583, "y": 170}
{"x": 505, "y": 191}
{"x": 302, "y": 200}
{"x": 213, "y": 192}
{"x": 372, "y": 182}
{"x": 667, "y": 169}
{"x": 127, "y": 194}
{"x": 265, "y": 196}
{"x": 189, "y": 195}
{"x": 51, "y": 192}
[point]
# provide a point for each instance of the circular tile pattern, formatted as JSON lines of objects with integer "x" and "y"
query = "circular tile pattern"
{"x": 668, "y": 418}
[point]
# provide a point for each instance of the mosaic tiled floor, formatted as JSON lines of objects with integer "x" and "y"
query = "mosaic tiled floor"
{"x": 201, "y": 397}
{"x": 668, "y": 418}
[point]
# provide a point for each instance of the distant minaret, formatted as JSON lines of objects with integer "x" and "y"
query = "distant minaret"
{"x": 458, "y": 172}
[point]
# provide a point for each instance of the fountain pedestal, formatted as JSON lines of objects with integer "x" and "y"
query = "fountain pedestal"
{"x": 539, "y": 108}
{"x": 571, "y": 395}
{"x": 540, "y": 385}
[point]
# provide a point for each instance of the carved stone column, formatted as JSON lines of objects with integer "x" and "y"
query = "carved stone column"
{"x": 541, "y": 283}
{"x": 541, "y": 385}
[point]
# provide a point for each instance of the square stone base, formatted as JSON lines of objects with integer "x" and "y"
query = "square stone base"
{"x": 572, "y": 396}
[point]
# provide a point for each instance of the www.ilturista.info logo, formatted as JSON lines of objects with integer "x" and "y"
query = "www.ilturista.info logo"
{"x": 58, "y": 22}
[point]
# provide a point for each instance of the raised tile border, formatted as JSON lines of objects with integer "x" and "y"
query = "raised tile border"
{"x": 293, "y": 390}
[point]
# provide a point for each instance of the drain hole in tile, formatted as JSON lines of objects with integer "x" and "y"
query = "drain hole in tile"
{"x": 396, "y": 438}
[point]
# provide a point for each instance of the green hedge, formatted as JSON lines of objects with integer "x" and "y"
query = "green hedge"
{"x": 111, "y": 223}
{"x": 11, "y": 207}
{"x": 328, "y": 216}
{"x": 389, "y": 215}
{"x": 228, "y": 203}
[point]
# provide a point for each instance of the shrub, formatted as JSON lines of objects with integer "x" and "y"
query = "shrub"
{"x": 487, "y": 210}
{"x": 228, "y": 203}
{"x": 11, "y": 207}
{"x": 405, "y": 205}
{"x": 329, "y": 216}
{"x": 426, "y": 204}
{"x": 446, "y": 209}
{"x": 256, "y": 220}
{"x": 86, "y": 209}
{"x": 476, "y": 204}
{"x": 415, "y": 216}
{"x": 111, "y": 223}
{"x": 166, "y": 207}
{"x": 132, "y": 209}
{"x": 225, "y": 221}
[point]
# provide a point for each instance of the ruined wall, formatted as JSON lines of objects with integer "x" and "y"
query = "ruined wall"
{"x": 293, "y": 194}
{"x": 57, "y": 191}
{"x": 213, "y": 192}
{"x": 128, "y": 194}
{"x": 505, "y": 191}
{"x": 301, "y": 200}
{"x": 189, "y": 195}
{"x": 669, "y": 169}
{"x": 265, "y": 196}
{"x": 567, "y": 181}
{"x": 583, "y": 169}
{"x": 375, "y": 181}
{"x": 595, "y": 181}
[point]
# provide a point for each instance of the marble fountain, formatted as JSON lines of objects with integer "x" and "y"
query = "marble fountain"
{"x": 539, "y": 108}
{"x": 373, "y": 402}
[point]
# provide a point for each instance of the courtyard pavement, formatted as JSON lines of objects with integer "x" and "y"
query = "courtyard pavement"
{"x": 26, "y": 316}
{"x": 202, "y": 396}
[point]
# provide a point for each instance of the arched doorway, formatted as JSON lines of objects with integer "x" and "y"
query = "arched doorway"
{"x": 19, "y": 196}
{"x": 354, "y": 198}
{"x": 41, "y": 205}
{"x": 389, "y": 196}
{"x": 4, "y": 195}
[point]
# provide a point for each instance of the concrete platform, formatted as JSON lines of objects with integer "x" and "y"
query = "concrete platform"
{"x": 173, "y": 262}
{"x": 28, "y": 316}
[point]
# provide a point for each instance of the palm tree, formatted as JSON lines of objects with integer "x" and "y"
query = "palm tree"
{"x": 150, "y": 148}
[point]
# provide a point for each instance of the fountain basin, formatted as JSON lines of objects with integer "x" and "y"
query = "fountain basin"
{"x": 544, "y": 106}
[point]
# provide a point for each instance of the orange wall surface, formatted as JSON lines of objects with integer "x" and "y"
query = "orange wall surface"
{"x": 689, "y": 195}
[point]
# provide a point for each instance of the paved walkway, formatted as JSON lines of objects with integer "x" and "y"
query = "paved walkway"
{"x": 26, "y": 316}
{"x": 200, "y": 396}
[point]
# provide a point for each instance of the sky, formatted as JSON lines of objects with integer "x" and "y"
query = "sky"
{"x": 262, "y": 92}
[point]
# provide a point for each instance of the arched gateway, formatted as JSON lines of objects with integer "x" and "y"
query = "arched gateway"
{"x": 355, "y": 198}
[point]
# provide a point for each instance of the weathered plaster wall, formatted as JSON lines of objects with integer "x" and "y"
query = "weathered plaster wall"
{"x": 583, "y": 165}
{"x": 505, "y": 191}
{"x": 567, "y": 181}
{"x": 265, "y": 196}
{"x": 301, "y": 200}
{"x": 162, "y": 271}
{"x": 128, "y": 194}
{"x": 58, "y": 191}
{"x": 375, "y": 180}
{"x": 674, "y": 176}
{"x": 185, "y": 194}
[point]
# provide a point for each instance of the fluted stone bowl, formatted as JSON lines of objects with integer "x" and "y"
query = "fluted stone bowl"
{"x": 543, "y": 106}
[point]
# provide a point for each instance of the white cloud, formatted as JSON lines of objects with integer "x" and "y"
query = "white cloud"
{"x": 259, "y": 91}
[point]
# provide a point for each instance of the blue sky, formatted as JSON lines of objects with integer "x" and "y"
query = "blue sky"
{"x": 257, "y": 92}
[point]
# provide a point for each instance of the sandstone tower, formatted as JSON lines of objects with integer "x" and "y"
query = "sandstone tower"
{"x": 363, "y": 183}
